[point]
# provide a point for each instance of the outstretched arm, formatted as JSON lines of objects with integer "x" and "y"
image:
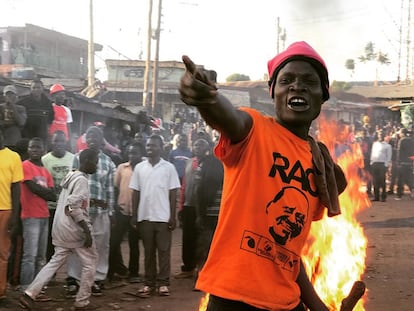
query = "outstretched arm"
{"x": 197, "y": 90}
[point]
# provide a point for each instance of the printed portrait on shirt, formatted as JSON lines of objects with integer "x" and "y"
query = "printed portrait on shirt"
{"x": 287, "y": 213}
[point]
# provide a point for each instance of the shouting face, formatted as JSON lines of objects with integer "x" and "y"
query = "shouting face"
{"x": 298, "y": 96}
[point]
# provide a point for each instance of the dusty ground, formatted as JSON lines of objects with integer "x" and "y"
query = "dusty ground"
{"x": 389, "y": 273}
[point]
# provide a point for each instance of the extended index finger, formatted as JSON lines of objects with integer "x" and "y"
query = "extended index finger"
{"x": 189, "y": 64}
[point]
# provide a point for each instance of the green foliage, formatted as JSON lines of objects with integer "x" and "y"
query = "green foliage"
{"x": 237, "y": 77}
{"x": 350, "y": 64}
{"x": 372, "y": 55}
{"x": 337, "y": 86}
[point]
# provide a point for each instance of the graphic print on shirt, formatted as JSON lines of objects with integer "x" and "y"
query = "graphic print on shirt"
{"x": 287, "y": 213}
{"x": 287, "y": 219}
{"x": 40, "y": 180}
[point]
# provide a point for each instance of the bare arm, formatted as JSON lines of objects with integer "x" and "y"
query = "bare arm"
{"x": 47, "y": 194}
{"x": 15, "y": 200}
{"x": 135, "y": 202}
{"x": 20, "y": 115}
{"x": 173, "y": 207}
{"x": 308, "y": 294}
{"x": 197, "y": 90}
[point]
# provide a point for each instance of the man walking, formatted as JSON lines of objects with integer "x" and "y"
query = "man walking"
{"x": 71, "y": 234}
{"x": 101, "y": 186}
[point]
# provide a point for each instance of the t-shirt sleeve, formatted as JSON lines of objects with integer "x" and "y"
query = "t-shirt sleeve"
{"x": 69, "y": 118}
{"x": 134, "y": 182}
{"x": 17, "y": 170}
{"x": 28, "y": 173}
{"x": 230, "y": 153}
{"x": 117, "y": 176}
{"x": 174, "y": 179}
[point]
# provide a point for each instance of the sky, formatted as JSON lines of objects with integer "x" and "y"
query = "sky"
{"x": 232, "y": 36}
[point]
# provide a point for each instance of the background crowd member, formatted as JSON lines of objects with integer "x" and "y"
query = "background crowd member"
{"x": 188, "y": 201}
{"x": 39, "y": 111}
{"x": 16, "y": 248}
{"x": 11, "y": 173}
{"x": 101, "y": 186}
{"x": 37, "y": 189}
{"x": 12, "y": 117}
{"x": 155, "y": 183}
{"x": 62, "y": 114}
{"x": 107, "y": 147}
{"x": 395, "y": 137}
{"x": 59, "y": 163}
{"x": 71, "y": 234}
{"x": 179, "y": 156}
{"x": 209, "y": 186}
{"x": 405, "y": 150}
{"x": 264, "y": 195}
{"x": 123, "y": 214}
{"x": 381, "y": 153}
{"x": 365, "y": 141}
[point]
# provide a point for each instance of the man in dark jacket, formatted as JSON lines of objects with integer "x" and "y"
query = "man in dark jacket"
{"x": 39, "y": 112}
{"x": 209, "y": 184}
{"x": 405, "y": 150}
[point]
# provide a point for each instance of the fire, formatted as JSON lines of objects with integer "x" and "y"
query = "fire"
{"x": 336, "y": 252}
{"x": 203, "y": 302}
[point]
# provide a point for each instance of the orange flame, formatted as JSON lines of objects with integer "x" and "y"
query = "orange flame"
{"x": 335, "y": 254}
{"x": 203, "y": 302}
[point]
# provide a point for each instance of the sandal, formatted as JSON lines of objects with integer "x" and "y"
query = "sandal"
{"x": 42, "y": 297}
{"x": 26, "y": 302}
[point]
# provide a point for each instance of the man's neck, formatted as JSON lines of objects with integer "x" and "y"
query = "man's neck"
{"x": 37, "y": 162}
{"x": 58, "y": 154}
{"x": 154, "y": 161}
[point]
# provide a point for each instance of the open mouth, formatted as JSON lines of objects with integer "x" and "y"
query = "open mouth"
{"x": 298, "y": 104}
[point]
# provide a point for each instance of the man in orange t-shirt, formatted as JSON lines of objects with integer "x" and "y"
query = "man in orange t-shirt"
{"x": 272, "y": 190}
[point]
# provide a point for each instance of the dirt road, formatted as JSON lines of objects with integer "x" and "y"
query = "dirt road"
{"x": 389, "y": 275}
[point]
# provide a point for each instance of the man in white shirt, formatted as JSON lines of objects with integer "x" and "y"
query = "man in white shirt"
{"x": 155, "y": 184}
{"x": 381, "y": 153}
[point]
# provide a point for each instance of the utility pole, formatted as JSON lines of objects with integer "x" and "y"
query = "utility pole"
{"x": 408, "y": 42}
{"x": 278, "y": 34}
{"x": 145, "y": 92}
{"x": 156, "y": 59}
{"x": 91, "y": 48}
{"x": 400, "y": 43}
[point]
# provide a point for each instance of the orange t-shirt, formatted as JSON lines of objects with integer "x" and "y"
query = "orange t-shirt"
{"x": 269, "y": 202}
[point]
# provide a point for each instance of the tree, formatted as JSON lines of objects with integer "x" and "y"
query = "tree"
{"x": 237, "y": 77}
{"x": 370, "y": 55}
{"x": 350, "y": 65}
{"x": 339, "y": 86}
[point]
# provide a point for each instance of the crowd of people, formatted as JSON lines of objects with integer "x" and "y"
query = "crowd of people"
{"x": 75, "y": 203}
{"x": 59, "y": 206}
{"x": 388, "y": 156}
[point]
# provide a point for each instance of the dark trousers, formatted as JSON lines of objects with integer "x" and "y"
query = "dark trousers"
{"x": 405, "y": 177}
{"x": 378, "y": 179}
{"x": 368, "y": 175}
{"x": 156, "y": 238}
{"x": 189, "y": 238}
{"x": 394, "y": 175}
{"x": 220, "y": 304}
{"x": 205, "y": 237}
{"x": 116, "y": 263}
